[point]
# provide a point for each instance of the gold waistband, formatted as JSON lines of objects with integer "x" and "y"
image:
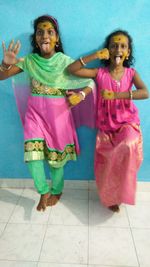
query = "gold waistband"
{"x": 42, "y": 89}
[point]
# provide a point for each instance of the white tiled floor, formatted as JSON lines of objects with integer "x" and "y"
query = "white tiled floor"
{"x": 77, "y": 232}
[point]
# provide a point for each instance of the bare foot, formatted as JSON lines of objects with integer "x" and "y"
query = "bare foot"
{"x": 114, "y": 208}
{"x": 43, "y": 202}
{"x": 53, "y": 199}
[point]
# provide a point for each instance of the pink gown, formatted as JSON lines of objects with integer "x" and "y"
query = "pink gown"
{"x": 118, "y": 154}
{"x": 49, "y": 124}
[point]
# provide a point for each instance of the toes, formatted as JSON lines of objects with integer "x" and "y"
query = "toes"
{"x": 43, "y": 202}
{"x": 114, "y": 208}
{"x": 41, "y": 207}
{"x": 53, "y": 199}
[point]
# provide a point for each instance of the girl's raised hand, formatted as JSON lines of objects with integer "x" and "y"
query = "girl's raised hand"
{"x": 10, "y": 54}
{"x": 103, "y": 54}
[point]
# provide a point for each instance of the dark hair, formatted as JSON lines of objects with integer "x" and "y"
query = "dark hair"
{"x": 127, "y": 62}
{"x": 54, "y": 22}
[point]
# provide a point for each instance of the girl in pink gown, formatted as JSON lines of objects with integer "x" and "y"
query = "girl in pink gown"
{"x": 118, "y": 153}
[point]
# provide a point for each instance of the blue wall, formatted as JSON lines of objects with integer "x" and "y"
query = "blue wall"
{"x": 83, "y": 25}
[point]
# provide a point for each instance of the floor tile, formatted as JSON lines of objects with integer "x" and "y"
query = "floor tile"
{"x": 10, "y": 193}
{"x": 77, "y": 232}
{"x": 142, "y": 244}
{"x": 8, "y": 201}
{"x": 75, "y": 194}
{"x": 139, "y": 215}
{"x": 93, "y": 195}
{"x": 65, "y": 244}
{"x": 16, "y": 183}
{"x": 112, "y": 265}
{"x": 101, "y": 216}
{"x": 25, "y": 211}
{"x": 92, "y": 185}
{"x": 143, "y": 186}
{"x": 2, "y": 227}
{"x": 142, "y": 196}
{"x": 21, "y": 242}
{"x": 70, "y": 212}
{"x": 111, "y": 246}
{"x": 17, "y": 264}
{"x": 42, "y": 264}
{"x": 76, "y": 184}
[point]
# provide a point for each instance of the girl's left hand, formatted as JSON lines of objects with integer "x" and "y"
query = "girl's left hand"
{"x": 73, "y": 98}
{"x": 107, "y": 95}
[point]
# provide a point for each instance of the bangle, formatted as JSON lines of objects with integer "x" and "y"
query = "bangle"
{"x": 1, "y": 68}
{"x": 4, "y": 66}
{"x": 130, "y": 95}
{"x": 83, "y": 94}
{"x": 82, "y": 62}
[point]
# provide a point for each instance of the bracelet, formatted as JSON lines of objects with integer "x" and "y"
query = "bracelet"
{"x": 130, "y": 95}
{"x": 82, "y": 62}
{"x": 1, "y": 69}
{"x": 4, "y": 66}
{"x": 83, "y": 94}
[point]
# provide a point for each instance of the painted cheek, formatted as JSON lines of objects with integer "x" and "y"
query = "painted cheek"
{"x": 53, "y": 42}
{"x": 125, "y": 55}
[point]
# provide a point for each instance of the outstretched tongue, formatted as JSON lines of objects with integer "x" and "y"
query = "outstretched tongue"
{"x": 45, "y": 47}
{"x": 118, "y": 60}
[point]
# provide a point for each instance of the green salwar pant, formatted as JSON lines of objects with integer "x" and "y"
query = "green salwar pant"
{"x": 36, "y": 169}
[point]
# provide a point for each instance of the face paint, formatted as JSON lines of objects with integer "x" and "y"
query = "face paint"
{"x": 119, "y": 38}
{"x": 119, "y": 42}
{"x": 53, "y": 42}
{"x": 46, "y": 37}
{"x": 45, "y": 25}
{"x": 119, "y": 49}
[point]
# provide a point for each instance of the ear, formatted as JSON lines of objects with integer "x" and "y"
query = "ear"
{"x": 128, "y": 53}
{"x": 57, "y": 39}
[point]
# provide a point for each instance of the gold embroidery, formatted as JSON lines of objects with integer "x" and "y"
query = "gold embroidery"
{"x": 40, "y": 146}
{"x": 34, "y": 145}
{"x": 42, "y": 89}
{"x": 53, "y": 155}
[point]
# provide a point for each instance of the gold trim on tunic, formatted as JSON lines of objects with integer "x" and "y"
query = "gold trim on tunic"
{"x": 38, "y": 150}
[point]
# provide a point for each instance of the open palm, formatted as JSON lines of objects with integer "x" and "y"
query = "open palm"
{"x": 11, "y": 53}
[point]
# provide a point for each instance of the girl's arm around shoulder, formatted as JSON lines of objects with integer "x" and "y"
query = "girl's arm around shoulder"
{"x": 4, "y": 74}
{"x": 78, "y": 67}
{"x": 142, "y": 91}
{"x": 86, "y": 72}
